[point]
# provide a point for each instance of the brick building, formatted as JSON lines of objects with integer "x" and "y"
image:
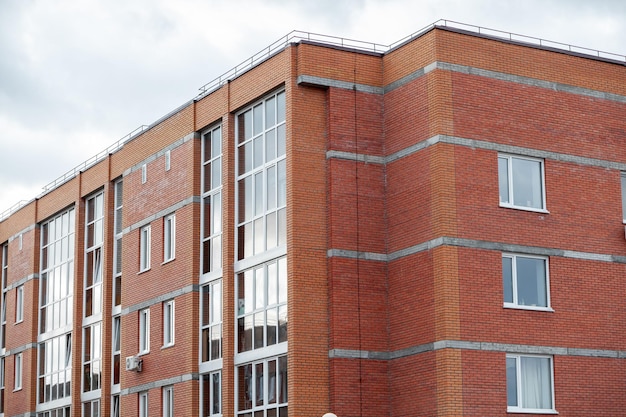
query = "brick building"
{"x": 430, "y": 228}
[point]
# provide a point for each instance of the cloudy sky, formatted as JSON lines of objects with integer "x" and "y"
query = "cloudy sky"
{"x": 78, "y": 75}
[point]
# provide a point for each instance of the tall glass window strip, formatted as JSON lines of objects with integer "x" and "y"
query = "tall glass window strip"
{"x": 59, "y": 412}
{"x": 168, "y": 401}
{"x": 168, "y": 323}
{"x": 143, "y": 404}
{"x": 262, "y": 386}
{"x": 211, "y": 321}
{"x": 94, "y": 236}
{"x": 144, "y": 331}
{"x": 529, "y": 384}
{"x": 19, "y": 304}
{"x": 169, "y": 237}
{"x": 211, "y": 394}
{"x": 525, "y": 282}
{"x": 92, "y": 357}
{"x": 212, "y": 200}
{"x": 623, "y": 183}
{"x": 117, "y": 245}
{"x": 115, "y": 406}
{"x": 56, "y": 287}
{"x": 117, "y": 352}
{"x": 261, "y": 177}
{"x": 144, "y": 247}
{"x": 262, "y": 306}
{"x": 17, "y": 367}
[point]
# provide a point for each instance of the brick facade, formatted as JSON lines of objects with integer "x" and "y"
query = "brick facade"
{"x": 394, "y": 242}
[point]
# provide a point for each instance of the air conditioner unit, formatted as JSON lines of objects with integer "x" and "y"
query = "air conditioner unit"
{"x": 133, "y": 363}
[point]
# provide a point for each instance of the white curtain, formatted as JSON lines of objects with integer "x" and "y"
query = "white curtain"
{"x": 536, "y": 384}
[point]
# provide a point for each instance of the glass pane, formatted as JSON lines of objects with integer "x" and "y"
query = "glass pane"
{"x": 216, "y": 345}
{"x": 245, "y": 126}
{"x": 259, "y": 236}
{"x": 259, "y": 385}
{"x": 207, "y": 177}
{"x": 258, "y": 119}
{"x": 217, "y": 302}
{"x": 280, "y": 140}
{"x": 282, "y": 324}
{"x": 206, "y": 256}
{"x": 270, "y": 112}
{"x": 245, "y": 158}
{"x": 271, "y": 188}
{"x": 259, "y": 322}
{"x": 245, "y": 199}
{"x": 282, "y": 280}
{"x": 507, "y": 279}
{"x": 258, "y": 193}
{"x": 511, "y": 382}
{"x": 282, "y": 381}
{"x": 272, "y": 284}
{"x": 272, "y": 326}
{"x": 259, "y": 283}
{"x": 531, "y": 282}
{"x": 245, "y": 333}
{"x": 280, "y": 107}
{"x": 206, "y": 344}
{"x": 536, "y": 382}
{"x": 282, "y": 227}
{"x": 282, "y": 183}
{"x": 244, "y": 374}
{"x": 258, "y": 151}
{"x": 271, "y": 382}
{"x": 208, "y": 211}
{"x": 527, "y": 191}
{"x": 217, "y": 214}
{"x": 216, "y": 173}
{"x": 271, "y": 230}
{"x": 216, "y": 395}
{"x": 270, "y": 145}
{"x": 216, "y": 142}
{"x": 503, "y": 179}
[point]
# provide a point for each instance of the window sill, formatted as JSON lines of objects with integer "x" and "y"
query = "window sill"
{"x": 167, "y": 346}
{"x": 17, "y": 389}
{"x": 143, "y": 353}
{"x": 530, "y": 411}
{"x": 523, "y": 208}
{"x": 531, "y": 308}
{"x": 168, "y": 261}
{"x": 143, "y": 271}
{"x": 18, "y": 322}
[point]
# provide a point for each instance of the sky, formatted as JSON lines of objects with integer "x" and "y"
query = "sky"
{"x": 76, "y": 76}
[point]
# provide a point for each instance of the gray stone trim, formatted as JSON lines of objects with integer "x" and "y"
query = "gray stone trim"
{"x": 21, "y": 349}
{"x": 21, "y": 232}
{"x": 476, "y": 144}
{"x": 161, "y": 383}
{"x": 471, "y": 345}
{"x": 26, "y": 414}
{"x": 159, "y": 299}
{"x": 475, "y": 244}
{"x": 151, "y": 158}
{"x": 162, "y": 213}
{"x": 346, "y": 85}
{"x": 22, "y": 281}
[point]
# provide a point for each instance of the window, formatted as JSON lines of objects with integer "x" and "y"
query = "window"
{"x": 212, "y": 200}
{"x": 117, "y": 246}
{"x": 144, "y": 173}
{"x": 144, "y": 331}
{"x": 168, "y": 323}
{"x": 115, "y": 406}
{"x": 21, "y": 241}
{"x": 211, "y": 321}
{"x": 521, "y": 182}
{"x": 261, "y": 177}
{"x": 144, "y": 245}
{"x": 91, "y": 409}
{"x": 94, "y": 238}
{"x": 19, "y": 304}
{"x": 117, "y": 353}
{"x": 525, "y": 281}
{"x": 529, "y": 386}
{"x": 623, "y": 179}
{"x": 169, "y": 237}
{"x": 211, "y": 394}
{"x": 262, "y": 385}
{"x": 55, "y": 369}
{"x": 168, "y": 401}
{"x": 262, "y": 306}
{"x": 168, "y": 160}
{"x": 18, "y": 371}
{"x": 143, "y": 404}
{"x": 92, "y": 357}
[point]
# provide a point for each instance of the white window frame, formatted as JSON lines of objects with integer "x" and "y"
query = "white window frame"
{"x": 520, "y": 391}
{"x": 144, "y": 405}
{"x": 169, "y": 237}
{"x": 144, "y": 331}
{"x": 510, "y": 189}
{"x": 515, "y": 303}
{"x": 168, "y": 401}
{"x": 18, "y": 365}
{"x": 168, "y": 160}
{"x": 144, "y": 173}
{"x": 19, "y": 304}
{"x": 115, "y": 405}
{"x": 211, "y": 401}
{"x": 168, "y": 323}
{"x": 145, "y": 234}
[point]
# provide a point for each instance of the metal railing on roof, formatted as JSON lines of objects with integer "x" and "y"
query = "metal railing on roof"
{"x": 298, "y": 36}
